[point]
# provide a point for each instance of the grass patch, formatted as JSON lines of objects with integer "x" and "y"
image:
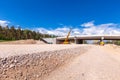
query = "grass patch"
{"x": 6, "y": 40}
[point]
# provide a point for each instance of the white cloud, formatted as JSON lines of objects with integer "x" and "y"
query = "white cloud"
{"x": 58, "y": 31}
{"x": 88, "y": 24}
{"x": 42, "y": 30}
{"x": 4, "y": 23}
{"x": 63, "y": 31}
{"x": 88, "y": 28}
{"x": 102, "y": 29}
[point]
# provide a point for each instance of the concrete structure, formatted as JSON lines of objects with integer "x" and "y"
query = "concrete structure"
{"x": 49, "y": 40}
{"x": 80, "y": 39}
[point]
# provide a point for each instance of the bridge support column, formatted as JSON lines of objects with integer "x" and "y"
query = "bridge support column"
{"x": 78, "y": 41}
{"x": 75, "y": 40}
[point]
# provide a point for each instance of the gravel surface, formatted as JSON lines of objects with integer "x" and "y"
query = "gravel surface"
{"x": 98, "y": 63}
{"x": 11, "y": 50}
{"x": 59, "y": 62}
{"x": 35, "y": 62}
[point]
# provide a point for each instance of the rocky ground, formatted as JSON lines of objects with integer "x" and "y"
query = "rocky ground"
{"x": 98, "y": 63}
{"x": 59, "y": 62}
{"x": 34, "y": 62}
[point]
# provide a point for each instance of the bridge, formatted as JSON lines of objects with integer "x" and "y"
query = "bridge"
{"x": 80, "y": 39}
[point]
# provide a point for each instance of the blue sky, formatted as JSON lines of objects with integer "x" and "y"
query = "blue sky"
{"x": 55, "y": 15}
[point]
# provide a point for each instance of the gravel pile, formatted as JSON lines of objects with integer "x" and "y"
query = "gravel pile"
{"x": 35, "y": 66}
{"x": 28, "y": 41}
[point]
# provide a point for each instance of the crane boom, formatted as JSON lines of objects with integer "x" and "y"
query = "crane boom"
{"x": 66, "y": 40}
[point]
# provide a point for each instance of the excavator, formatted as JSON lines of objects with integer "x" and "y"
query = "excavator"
{"x": 67, "y": 40}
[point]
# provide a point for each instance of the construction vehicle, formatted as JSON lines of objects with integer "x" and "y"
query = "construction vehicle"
{"x": 101, "y": 41}
{"x": 67, "y": 38}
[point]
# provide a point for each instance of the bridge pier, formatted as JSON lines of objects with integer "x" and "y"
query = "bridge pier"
{"x": 78, "y": 41}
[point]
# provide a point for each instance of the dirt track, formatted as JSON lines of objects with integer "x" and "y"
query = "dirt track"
{"x": 33, "y": 62}
{"x": 99, "y": 63}
{"x": 48, "y": 62}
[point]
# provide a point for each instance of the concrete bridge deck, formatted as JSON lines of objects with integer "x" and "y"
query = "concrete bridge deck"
{"x": 79, "y": 39}
{"x": 92, "y": 37}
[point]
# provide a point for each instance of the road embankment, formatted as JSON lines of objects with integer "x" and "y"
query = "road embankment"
{"x": 36, "y": 65}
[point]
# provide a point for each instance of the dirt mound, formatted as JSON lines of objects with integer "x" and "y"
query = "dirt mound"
{"x": 35, "y": 66}
{"x": 98, "y": 63}
{"x": 29, "y": 41}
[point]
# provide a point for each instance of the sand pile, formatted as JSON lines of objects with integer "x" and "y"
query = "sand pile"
{"x": 28, "y": 41}
{"x": 35, "y": 66}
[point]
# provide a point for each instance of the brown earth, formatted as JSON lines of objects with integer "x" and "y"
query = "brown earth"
{"x": 29, "y": 41}
{"x": 35, "y": 62}
{"x": 98, "y": 63}
{"x": 59, "y": 62}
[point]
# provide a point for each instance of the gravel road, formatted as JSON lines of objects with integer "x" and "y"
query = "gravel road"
{"x": 31, "y": 61}
{"x": 98, "y": 63}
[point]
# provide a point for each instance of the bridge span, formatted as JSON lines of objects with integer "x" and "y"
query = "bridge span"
{"x": 80, "y": 39}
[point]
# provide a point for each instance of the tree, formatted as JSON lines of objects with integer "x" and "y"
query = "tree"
{"x": 117, "y": 42}
{"x": 12, "y": 33}
{"x": 7, "y": 33}
{"x": 19, "y": 33}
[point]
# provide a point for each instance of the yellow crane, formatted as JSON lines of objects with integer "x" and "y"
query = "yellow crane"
{"x": 67, "y": 40}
